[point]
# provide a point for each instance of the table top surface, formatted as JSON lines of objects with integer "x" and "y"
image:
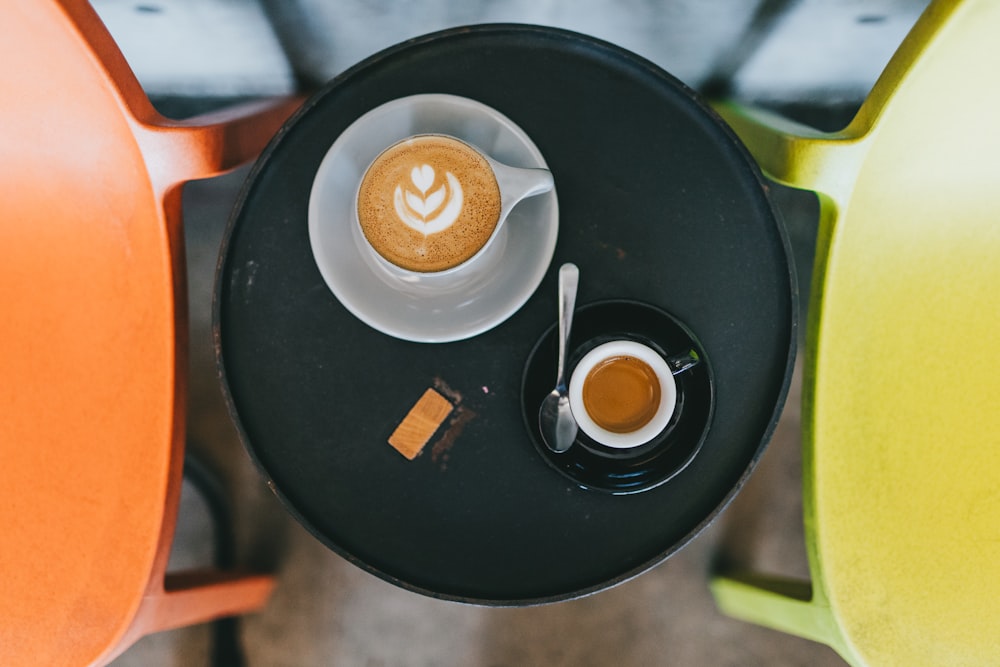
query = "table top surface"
{"x": 660, "y": 206}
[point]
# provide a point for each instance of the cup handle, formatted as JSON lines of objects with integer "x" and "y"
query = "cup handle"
{"x": 683, "y": 361}
{"x": 517, "y": 183}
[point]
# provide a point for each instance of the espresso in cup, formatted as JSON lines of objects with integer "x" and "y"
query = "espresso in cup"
{"x": 623, "y": 393}
{"x": 429, "y": 203}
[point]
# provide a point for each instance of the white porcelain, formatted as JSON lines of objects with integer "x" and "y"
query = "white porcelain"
{"x": 668, "y": 393}
{"x": 515, "y": 184}
{"x": 491, "y": 289}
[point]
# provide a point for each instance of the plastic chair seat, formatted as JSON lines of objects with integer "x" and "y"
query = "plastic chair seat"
{"x": 94, "y": 340}
{"x": 901, "y": 421}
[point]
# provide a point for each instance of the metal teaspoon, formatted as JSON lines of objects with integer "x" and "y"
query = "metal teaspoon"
{"x": 555, "y": 420}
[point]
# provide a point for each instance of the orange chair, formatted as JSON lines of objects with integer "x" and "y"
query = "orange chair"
{"x": 93, "y": 342}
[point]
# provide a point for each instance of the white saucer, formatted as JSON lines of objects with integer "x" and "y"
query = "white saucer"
{"x": 429, "y": 317}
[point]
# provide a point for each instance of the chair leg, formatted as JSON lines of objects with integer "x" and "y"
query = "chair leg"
{"x": 189, "y": 598}
{"x": 210, "y": 488}
{"x": 226, "y": 648}
{"x": 780, "y": 604}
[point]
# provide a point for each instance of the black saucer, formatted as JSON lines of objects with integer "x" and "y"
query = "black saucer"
{"x": 587, "y": 462}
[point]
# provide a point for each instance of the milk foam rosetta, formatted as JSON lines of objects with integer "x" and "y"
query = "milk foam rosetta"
{"x": 428, "y": 203}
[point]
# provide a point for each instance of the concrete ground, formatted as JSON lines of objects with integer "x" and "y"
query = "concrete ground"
{"x": 809, "y": 55}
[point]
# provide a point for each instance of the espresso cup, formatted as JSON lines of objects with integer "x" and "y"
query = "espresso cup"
{"x": 430, "y": 209}
{"x": 623, "y": 394}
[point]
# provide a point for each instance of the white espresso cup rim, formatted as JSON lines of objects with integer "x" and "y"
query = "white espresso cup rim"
{"x": 668, "y": 393}
{"x": 431, "y": 277}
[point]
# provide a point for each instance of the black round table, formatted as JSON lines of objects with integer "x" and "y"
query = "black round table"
{"x": 659, "y": 204}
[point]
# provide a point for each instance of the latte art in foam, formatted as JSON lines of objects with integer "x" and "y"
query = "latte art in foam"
{"x": 429, "y": 213}
{"x": 429, "y": 203}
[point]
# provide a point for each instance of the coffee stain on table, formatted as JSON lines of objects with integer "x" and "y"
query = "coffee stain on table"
{"x": 443, "y": 387}
{"x": 441, "y": 449}
{"x": 460, "y": 417}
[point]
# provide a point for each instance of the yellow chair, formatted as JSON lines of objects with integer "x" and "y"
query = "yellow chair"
{"x": 901, "y": 402}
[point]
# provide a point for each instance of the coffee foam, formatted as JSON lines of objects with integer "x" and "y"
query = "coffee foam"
{"x": 428, "y": 203}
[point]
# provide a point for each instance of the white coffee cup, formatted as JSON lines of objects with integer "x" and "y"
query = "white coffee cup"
{"x": 512, "y": 183}
{"x": 612, "y": 396}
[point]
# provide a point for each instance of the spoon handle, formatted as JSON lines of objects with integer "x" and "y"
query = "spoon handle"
{"x": 569, "y": 277}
